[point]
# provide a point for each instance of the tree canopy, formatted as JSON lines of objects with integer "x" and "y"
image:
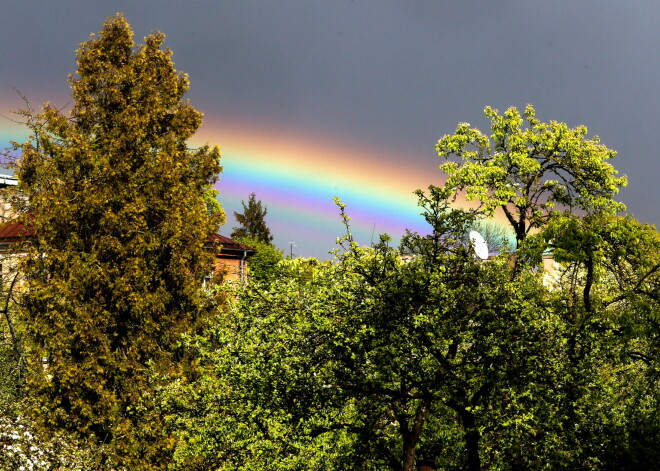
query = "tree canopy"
{"x": 529, "y": 169}
{"x": 114, "y": 277}
{"x": 264, "y": 264}
{"x": 373, "y": 362}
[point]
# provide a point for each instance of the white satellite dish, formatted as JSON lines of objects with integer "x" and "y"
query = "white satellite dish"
{"x": 480, "y": 245}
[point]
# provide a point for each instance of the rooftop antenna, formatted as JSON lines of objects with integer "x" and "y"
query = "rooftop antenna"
{"x": 480, "y": 245}
{"x": 291, "y": 246}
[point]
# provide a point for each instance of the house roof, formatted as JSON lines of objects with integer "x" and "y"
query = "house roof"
{"x": 229, "y": 245}
{"x": 15, "y": 231}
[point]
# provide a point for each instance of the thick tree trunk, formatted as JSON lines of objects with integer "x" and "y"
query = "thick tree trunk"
{"x": 427, "y": 465}
{"x": 411, "y": 438}
{"x": 471, "y": 434}
{"x": 408, "y": 457}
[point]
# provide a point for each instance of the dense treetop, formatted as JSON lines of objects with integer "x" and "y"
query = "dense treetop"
{"x": 529, "y": 169}
{"x": 252, "y": 221}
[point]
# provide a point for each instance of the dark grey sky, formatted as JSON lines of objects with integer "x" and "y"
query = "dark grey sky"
{"x": 383, "y": 74}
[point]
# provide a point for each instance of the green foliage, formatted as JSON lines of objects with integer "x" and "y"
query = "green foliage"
{"x": 610, "y": 285}
{"x": 602, "y": 291}
{"x": 252, "y": 221}
{"x": 213, "y": 206}
{"x": 379, "y": 362}
{"x": 263, "y": 265}
{"x": 372, "y": 362}
{"x": 529, "y": 169}
{"x": 117, "y": 202}
{"x": 12, "y": 375}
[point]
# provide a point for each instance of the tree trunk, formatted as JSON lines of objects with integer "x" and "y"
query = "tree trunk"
{"x": 408, "y": 456}
{"x": 411, "y": 438}
{"x": 471, "y": 434}
{"x": 588, "y": 283}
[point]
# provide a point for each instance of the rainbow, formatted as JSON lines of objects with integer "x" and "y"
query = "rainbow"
{"x": 296, "y": 176}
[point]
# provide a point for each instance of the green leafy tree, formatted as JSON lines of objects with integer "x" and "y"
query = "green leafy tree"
{"x": 252, "y": 221}
{"x": 213, "y": 206}
{"x": 537, "y": 174}
{"x": 371, "y": 362}
{"x": 529, "y": 169}
{"x": 117, "y": 202}
{"x": 264, "y": 264}
{"x": 610, "y": 280}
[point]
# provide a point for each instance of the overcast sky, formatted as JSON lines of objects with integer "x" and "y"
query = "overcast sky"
{"x": 387, "y": 77}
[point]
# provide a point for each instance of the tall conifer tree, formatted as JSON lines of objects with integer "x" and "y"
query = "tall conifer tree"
{"x": 252, "y": 221}
{"x": 116, "y": 200}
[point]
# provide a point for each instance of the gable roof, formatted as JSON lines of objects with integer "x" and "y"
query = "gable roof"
{"x": 228, "y": 244}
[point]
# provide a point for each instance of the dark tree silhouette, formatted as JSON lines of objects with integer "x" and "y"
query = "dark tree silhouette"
{"x": 252, "y": 221}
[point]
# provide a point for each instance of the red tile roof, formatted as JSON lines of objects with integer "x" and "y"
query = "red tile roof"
{"x": 228, "y": 244}
{"x": 14, "y": 231}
